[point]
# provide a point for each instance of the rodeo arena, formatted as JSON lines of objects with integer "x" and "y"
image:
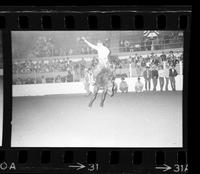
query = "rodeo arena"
{"x": 97, "y": 88}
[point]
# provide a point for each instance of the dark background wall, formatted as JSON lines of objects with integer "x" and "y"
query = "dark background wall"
{"x": 1, "y": 55}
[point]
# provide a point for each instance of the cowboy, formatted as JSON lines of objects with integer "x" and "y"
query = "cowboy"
{"x": 102, "y": 73}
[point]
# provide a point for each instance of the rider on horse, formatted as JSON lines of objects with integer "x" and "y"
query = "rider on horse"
{"x": 102, "y": 73}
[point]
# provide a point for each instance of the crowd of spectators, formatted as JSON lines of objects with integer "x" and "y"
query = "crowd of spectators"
{"x": 154, "y": 76}
{"x": 139, "y": 62}
{"x": 53, "y": 70}
{"x": 66, "y": 70}
{"x": 41, "y": 66}
{"x": 155, "y": 69}
{"x": 128, "y": 46}
{"x": 148, "y": 45}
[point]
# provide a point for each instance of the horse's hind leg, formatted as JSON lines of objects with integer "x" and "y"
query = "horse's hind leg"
{"x": 103, "y": 97}
{"x": 93, "y": 97}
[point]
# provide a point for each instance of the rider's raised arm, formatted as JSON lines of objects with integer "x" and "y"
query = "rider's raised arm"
{"x": 89, "y": 44}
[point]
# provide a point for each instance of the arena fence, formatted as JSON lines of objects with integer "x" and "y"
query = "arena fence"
{"x": 78, "y": 87}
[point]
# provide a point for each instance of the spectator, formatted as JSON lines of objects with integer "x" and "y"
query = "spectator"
{"x": 138, "y": 67}
{"x": 181, "y": 57}
{"x": 161, "y": 75}
{"x": 43, "y": 79}
{"x": 70, "y": 51}
{"x": 151, "y": 56}
{"x": 148, "y": 44}
{"x": 121, "y": 46}
{"x": 69, "y": 67}
{"x": 127, "y": 44}
{"x": 18, "y": 82}
{"x": 76, "y": 71}
{"x": 155, "y": 60}
{"x": 94, "y": 62}
{"x": 83, "y": 65}
{"x": 123, "y": 86}
{"x": 69, "y": 77}
{"x": 67, "y": 60}
{"x": 143, "y": 62}
{"x": 170, "y": 58}
{"x": 88, "y": 80}
{"x": 148, "y": 61}
{"x": 130, "y": 59}
{"x": 131, "y": 48}
{"x": 35, "y": 81}
{"x": 82, "y": 50}
{"x": 163, "y": 56}
{"x": 154, "y": 77}
{"x": 58, "y": 79}
{"x": 166, "y": 75}
{"x": 138, "y": 85}
{"x": 29, "y": 81}
{"x": 171, "y": 55}
{"x": 136, "y": 58}
{"x": 174, "y": 61}
{"x": 147, "y": 77}
{"x": 107, "y": 42}
{"x": 137, "y": 47}
{"x": 172, "y": 74}
{"x": 88, "y": 50}
{"x": 115, "y": 86}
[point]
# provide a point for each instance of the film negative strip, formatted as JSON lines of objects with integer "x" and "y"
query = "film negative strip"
{"x": 94, "y": 89}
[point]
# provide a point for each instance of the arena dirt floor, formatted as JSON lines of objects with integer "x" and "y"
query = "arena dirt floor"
{"x": 148, "y": 119}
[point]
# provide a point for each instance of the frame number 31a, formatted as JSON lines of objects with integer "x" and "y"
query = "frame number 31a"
{"x": 180, "y": 168}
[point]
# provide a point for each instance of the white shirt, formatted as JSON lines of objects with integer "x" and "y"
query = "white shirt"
{"x": 138, "y": 86}
{"x": 166, "y": 72}
{"x": 161, "y": 73}
{"x": 148, "y": 63}
{"x": 103, "y": 53}
{"x": 123, "y": 84}
{"x": 43, "y": 80}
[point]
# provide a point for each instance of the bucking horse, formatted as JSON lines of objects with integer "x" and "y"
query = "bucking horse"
{"x": 105, "y": 81}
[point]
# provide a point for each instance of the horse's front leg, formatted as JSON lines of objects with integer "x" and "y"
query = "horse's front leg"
{"x": 113, "y": 90}
{"x": 94, "y": 96}
{"x": 103, "y": 97}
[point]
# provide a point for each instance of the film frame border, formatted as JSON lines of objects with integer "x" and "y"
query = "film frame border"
{"x": 125, "y": 18}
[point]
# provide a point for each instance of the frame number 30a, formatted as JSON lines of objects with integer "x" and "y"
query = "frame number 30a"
{"x": 180, "y": 168}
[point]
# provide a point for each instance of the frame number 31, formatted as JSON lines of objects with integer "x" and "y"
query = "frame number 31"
{"x": 93, "y": 167}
